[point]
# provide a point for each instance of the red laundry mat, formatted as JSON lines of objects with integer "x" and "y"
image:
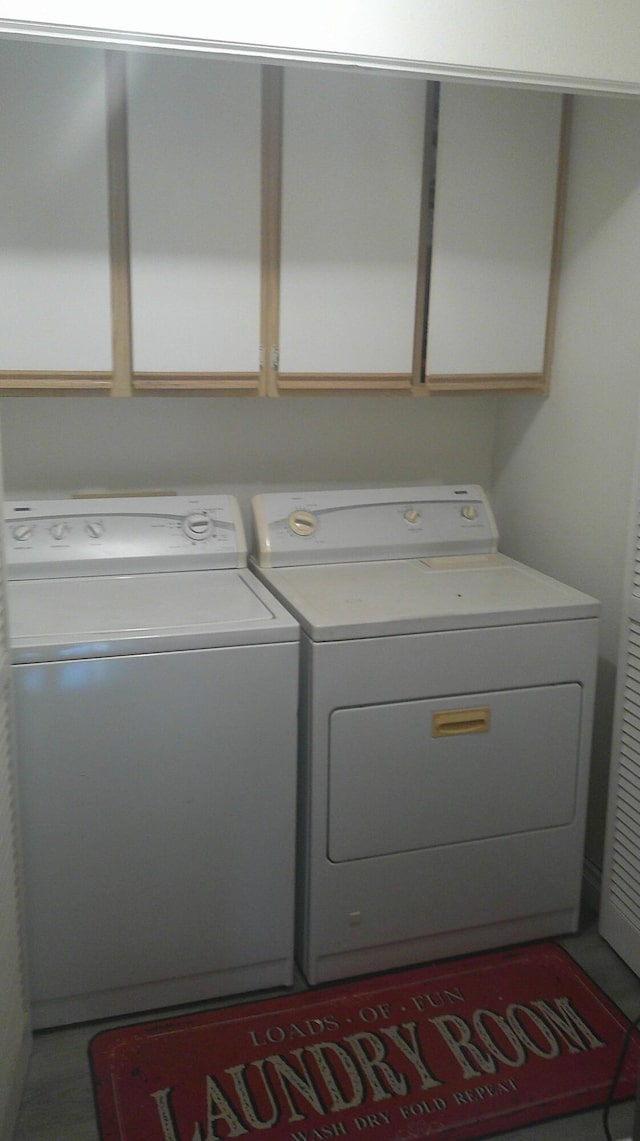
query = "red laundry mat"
{"x": 456, "y": 1050}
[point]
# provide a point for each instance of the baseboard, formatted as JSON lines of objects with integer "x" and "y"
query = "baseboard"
{"x": 591, "y": 885}
{"x": 9, "y": 1110}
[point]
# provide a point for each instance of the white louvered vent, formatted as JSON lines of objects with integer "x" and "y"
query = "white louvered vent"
{"x": 10, "y": 950}
{"x": 620, "y": 899}
{"x": 636, "y": 564}
{"x": 625, "y": 831}
{"x": 636, "y": 576}
{"x": 625, "y": 828}
{"x": 14, "y": 1021}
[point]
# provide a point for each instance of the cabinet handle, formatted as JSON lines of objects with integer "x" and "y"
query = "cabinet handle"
{"x": 456, "y": 722}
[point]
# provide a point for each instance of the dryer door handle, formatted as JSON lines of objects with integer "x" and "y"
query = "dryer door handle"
{"x": 459, "y": 722}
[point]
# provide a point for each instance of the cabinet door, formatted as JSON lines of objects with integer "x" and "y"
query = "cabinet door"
{"x": 351, "y": 196}
{"x": 493, "y": 234}
{"x": 194, "y": 201}
{"x": 55, "y": 307}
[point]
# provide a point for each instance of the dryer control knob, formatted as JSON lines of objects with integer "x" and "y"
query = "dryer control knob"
{"x": 302, "y": 522}
{"x": 197, "y": 526}
{"x": 469, "y": 511}
{"x": 59, "y": 530}
{"x": 94, "y": 528}
{"x": 22, "y": 532}
{"x": 411, "y": 515}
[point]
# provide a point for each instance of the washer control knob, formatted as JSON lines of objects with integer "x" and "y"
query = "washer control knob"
{"x": 469, "y": 511}
{"x": 412, "y": 515}
{"x": 302, "y": 522}
{"x": 58, "y": 531}
{"x": 22, "y": 532}
{"x": 94, "y": 528}
{"x": 197, "y": 526}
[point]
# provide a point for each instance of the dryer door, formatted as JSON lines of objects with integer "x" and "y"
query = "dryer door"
{"x": 416, "y": 774}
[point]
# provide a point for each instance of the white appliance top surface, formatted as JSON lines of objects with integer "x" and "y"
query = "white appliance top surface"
{"x": 62, "y": 619}
{"x": 375, "y": 599}
{"x": 95, "y": 578}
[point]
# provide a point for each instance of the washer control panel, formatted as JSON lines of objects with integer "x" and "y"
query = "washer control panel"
{"x": 308, "y": 527}
{"x": 47, "y": 538}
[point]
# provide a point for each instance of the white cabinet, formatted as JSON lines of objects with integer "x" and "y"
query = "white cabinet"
{"x": 55, "y": 306}
{"x": 194, "y": 163}
{"x": 202, "y": 224}
{"x": 494, "y": 234}
{"x": 352, "y": 159}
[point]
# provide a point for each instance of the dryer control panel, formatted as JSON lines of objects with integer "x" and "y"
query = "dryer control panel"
{"x": 48, "y": 538}
{"x": 307, "y": 527}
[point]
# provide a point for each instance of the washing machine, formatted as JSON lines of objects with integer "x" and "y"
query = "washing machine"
{"x": 156, "y": 685}
{"x": 445, "y": 725}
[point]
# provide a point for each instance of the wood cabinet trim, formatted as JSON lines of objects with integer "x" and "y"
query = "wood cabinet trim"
{"x": 40, "y": 383}
{"x": 231, "y": 384}
{"x": 271, "y": 227}
{"x": 424, "y": 251}
{"x": 345, "y": 382}
{"x": 486, "y": 382}
{"x": 558, "y": 237}
{"x": 119, "y": 221}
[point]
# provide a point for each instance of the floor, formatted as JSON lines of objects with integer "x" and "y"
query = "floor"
{"x": 58, "y": 1101}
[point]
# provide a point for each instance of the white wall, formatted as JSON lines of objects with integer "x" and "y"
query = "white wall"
{"x": 563, "y": 468}
{"x": 91, "y": 443}
{"x": 593, "y": 42}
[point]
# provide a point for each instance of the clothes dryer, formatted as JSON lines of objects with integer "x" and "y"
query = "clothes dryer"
{"x": 445, "y": 726}
{"x": 156, "y": 684}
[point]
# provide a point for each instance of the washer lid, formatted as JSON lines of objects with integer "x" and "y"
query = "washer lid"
{"x": 62, "y": 619}
{"x": 376, "y": 599}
